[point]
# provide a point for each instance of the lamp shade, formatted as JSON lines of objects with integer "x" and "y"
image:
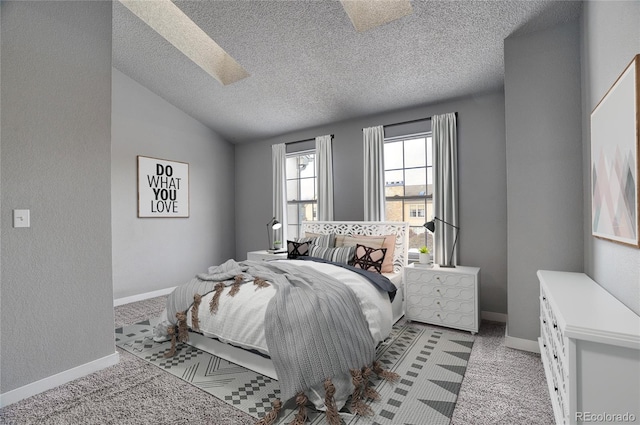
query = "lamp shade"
{"x": 430, "y": 225}
{"x": 272, "y": 225}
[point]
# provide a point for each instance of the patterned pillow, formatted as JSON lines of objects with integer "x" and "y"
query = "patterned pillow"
{"x": 369, "y": 258}
{"x": 297, "y": 249}
{"x": 337, "y": 255}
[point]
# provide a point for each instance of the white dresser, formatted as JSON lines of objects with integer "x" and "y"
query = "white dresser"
{"x": 590, "y": 349}
{"x": 443, "y": 296}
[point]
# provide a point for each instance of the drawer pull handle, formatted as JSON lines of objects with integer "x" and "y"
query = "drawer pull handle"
{"x": 544, "y": 321}
{"x": 555, "y": 357}
{"x": 555, "y": 326}
{"x": 556, "y": 389}
{"x": 544, "y": 345}
{"x": 438, "y": 302}
{"x": 544, "y": 298}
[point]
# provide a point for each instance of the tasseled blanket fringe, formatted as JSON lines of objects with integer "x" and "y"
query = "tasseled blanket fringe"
{"x": 270, "y": 418}
{"x": 235, "y": 287}
{"x": 360, "y": 380}
{"x": 215, "y": 301}
{"x": 237, "y": 281}
{"x": 195, "y": 320}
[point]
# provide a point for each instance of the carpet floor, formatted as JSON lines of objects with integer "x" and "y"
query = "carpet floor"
{"x": 501, "y": 386}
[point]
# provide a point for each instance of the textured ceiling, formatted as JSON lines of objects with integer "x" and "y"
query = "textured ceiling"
{"x": 308, "y": 66}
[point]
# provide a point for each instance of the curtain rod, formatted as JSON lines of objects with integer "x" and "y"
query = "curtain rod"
{"x": 305, "y": 140}
{"x": 410, "y": 121}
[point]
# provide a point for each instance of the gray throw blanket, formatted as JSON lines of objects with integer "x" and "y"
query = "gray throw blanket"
{"x": 314, "y": 327}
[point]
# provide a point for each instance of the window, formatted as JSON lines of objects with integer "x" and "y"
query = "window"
{"x": 408, "y": 173}
{"x": 302, "y": 198}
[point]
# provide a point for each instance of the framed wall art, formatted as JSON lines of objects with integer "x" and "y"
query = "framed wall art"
{"x": 615, "y": 141}
{"x": 163, "y": 188}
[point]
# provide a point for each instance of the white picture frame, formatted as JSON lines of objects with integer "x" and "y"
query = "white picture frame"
{"x": 163, "y": 188}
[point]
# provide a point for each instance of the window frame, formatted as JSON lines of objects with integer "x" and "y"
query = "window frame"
{"x": 405, "y": 199}
{"x": 300, "y": 202}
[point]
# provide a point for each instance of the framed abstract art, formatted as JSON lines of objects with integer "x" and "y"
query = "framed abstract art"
{"x": 615, "y": 141}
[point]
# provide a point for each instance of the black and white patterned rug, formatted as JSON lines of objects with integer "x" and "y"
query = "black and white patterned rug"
{"x": 431, "y": 363}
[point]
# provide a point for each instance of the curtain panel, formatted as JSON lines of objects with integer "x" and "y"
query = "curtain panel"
{"x": 374, "y": 199}
{"x": 324, "y": 170}
{"x": 445, "y": 191}
{"x": 279, "y": 161}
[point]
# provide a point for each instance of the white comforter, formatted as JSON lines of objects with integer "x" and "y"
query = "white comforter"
{"x": 240, "y": 319}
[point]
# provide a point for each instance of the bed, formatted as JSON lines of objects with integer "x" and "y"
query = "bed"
{"x": 370, "y": 301}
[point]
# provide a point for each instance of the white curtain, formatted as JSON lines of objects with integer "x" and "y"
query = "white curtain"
{"x": 445, "y": 191}
{"x": 324, "y": 170}
{"x": 374, "y": 200}
{"x": 279, "y": 159}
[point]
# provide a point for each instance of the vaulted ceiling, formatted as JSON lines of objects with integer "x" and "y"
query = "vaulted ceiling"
{"x": 308, "y": 65}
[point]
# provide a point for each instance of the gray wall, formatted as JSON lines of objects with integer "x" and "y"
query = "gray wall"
{"x": 611, "y": 38}
{"x": 544, "y": 166}
{"x": 56, "y": 148}
{"x": 156, "y": 253}
{"x": 482, "y": 184}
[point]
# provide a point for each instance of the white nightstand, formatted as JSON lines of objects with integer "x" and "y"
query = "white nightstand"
{"x": 443, "y": 296}
{"x": 263, "y": 255}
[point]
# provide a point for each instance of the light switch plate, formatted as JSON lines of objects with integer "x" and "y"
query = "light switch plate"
{"x": 21, "y": 218}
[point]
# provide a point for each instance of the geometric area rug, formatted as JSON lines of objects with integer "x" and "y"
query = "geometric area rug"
{"x": 431, "y": 363}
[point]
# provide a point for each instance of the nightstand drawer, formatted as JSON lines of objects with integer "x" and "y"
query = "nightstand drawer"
{"x": 441, "y": 317}
{"x": 439, "y": 291}
{"x": 450, "y": 305}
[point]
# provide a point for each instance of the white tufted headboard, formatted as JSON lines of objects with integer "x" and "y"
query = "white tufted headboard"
{"x": 368, "y": 228}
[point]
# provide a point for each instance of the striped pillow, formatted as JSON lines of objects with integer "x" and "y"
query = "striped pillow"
{"x": 327, "y": 241}
{"x": 337, "y": 255}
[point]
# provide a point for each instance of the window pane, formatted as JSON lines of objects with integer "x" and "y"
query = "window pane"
{"x": 292, "y": 190}
{"x": 292, "y": 213}
{"x": 429, "y": 151}
{"x": 394, "y": 185}
{"x": 307, "y": 189}
{"x": 392, "y": 155}
{"x": 307, "y": 166}
{"x": 418, "y": 236}
{"x": 414, "y": 153}
{"x": 393, "y": 211}
{"x": 292, "y": 167}
{"x": 292, "y": 232}
{"x": 415, "y": 182}
{"x": 307, "y": 212}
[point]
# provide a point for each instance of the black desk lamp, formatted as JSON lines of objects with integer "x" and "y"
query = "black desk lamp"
{"x": 431, "y": 226}
{"x": 272, "y": 225}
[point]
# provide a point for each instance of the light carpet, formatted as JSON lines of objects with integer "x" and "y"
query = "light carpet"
{"x": 431, "y": 363}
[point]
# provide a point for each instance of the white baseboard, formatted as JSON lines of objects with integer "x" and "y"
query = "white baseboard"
{"x": 58, "y": 379}
{"x": 494, "y": 317}
{"x": 520, "y": 343}
{"x": 141, "y": 297}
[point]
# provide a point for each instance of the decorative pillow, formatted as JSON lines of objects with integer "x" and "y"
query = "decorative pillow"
{"x": 368, "y": 258}
{"x": 297, "y": 249}
{"x": 354, "y": 240}
{"x": 328, "y": 240}
{"x": 385, "y": 241}
{"x": 338, "y": 255}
